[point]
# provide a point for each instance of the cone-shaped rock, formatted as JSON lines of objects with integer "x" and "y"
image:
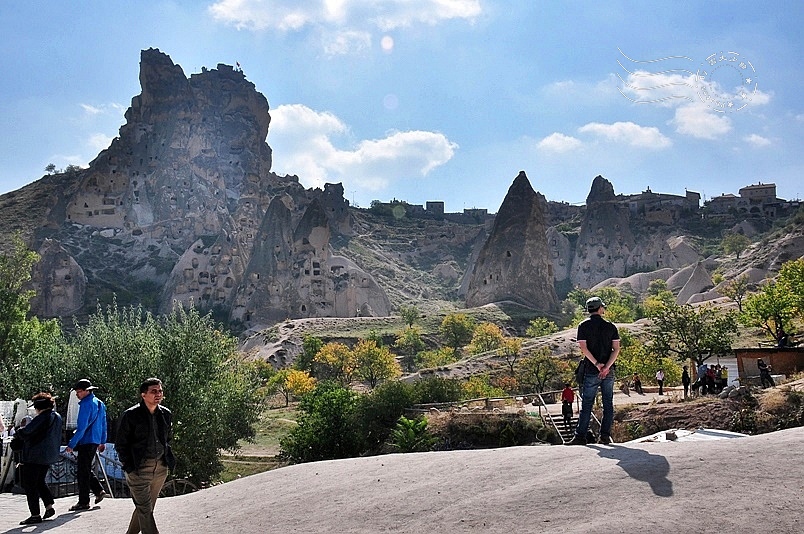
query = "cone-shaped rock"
{"x": 605, "y": 242}
{"x": 514, "y": 264}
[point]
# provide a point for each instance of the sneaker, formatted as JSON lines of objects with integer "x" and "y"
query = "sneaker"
{"x": 32, "y": 520}
{"x": 577, "y": 440}
{"x": 604, "y": 439}
{"x": 79, "y": 507}
{"x": 100, "y": 496}
{"x": 50, "y": 512}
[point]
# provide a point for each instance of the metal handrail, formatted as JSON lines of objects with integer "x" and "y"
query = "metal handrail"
{"x": 543, "y": 404}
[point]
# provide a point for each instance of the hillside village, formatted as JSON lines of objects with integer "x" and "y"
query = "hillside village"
{"x": 752, "y": 201}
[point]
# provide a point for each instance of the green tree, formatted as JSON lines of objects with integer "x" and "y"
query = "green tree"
{"x": 374, "y": 363}
{"x": 510, "y": 351}
{"x": 541, "y": 326}
{"x": 687, "y": 332}
{"x": 409, "y": 314}
{"x": 636, "y": 357}
{"x": 486, "y": 337}
{"x": 378, "y": 411}
{"x": 657, "y": 286}
{"x": 656, "y": 302}
{"x": 479, "y": 386}
{"x": 620, "y": 307}
{"x": 27, "y": 346}
{"x": 772, "y": 309}
{"x": 436, "y": 389}
{"x": 117, "y": 349}
{"x": 735, "y": 243}
{"x": 791, "y": 276}
{"x": 430, "y": 359}
{"x": 210, "y": 388}
{"x": 410, "y": 342}
{"x": 457, "y": 330}
{"x": 310, "y": 347}
{"x": 328, "y": 428}
{"x": 541, "y": 371}
{"x": 735, "y": 289}
{"x": 50, "y": 168}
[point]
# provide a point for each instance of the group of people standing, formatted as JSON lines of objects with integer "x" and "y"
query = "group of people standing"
{"x": 143, "y": 438}
{"x": 712, "y": 379}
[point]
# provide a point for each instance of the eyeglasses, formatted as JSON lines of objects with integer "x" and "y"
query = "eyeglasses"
{"x": 155, "y": 392}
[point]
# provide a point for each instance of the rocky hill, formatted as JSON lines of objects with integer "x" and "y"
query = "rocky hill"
{"x": 183, "y": 207}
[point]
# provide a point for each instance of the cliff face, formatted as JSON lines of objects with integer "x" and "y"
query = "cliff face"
{"x": 183, "y": 207}
{"x": 184, "y": 202}
{"x": 607, "y": 248}
{"x": 514, "y": 263}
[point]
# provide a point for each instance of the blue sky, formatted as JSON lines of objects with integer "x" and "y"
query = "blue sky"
{"x": 436, "y": 99}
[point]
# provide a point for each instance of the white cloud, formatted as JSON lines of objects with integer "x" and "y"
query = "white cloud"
{"x": 91, "y": 110}
{"x": 263, "y": 14}
{"x": 757, "y": 140}
{"x": 290, "y": 15}
{"x": 98, "y": 142}
{"x": 558, "y": 142}
{"x": 347, "y": 42}
{"x": 304, "y": 143}
{"x": 628, "y": 133}
{"x": 103, "y": 109}
{"x": 571, "y": 92}
{"x": 393, "y": 14}
{"x": 699, "y": 120}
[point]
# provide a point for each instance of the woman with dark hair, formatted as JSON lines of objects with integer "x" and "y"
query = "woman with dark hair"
{"x": 41, "y": 439}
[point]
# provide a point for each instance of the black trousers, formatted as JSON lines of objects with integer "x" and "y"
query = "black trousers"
{"x": 32, "y": 478}
{"x": 86, "y": 477}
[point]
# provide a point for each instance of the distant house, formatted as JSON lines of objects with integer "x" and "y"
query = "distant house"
{"x": 785, "y": 361}
{"x": 435, "y": 207}
{"x": 662, "y": 208}
{"x": 759, "y": 192}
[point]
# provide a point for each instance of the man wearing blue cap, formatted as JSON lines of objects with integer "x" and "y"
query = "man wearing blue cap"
{"x": 90, "y": 436}
{"x": 599, "y": 341}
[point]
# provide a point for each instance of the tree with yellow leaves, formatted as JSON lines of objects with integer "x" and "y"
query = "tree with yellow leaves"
{"x": 374, "y": 362}
{"x": 338, "y": 362}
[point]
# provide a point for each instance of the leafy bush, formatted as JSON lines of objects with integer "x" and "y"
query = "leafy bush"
{"x": 328, "y": 428}
{"x": 436, "y": 389}
{"x": 379, "y": 411}
{"x": 470, "y": 431}
{"x": 411, "y": 435}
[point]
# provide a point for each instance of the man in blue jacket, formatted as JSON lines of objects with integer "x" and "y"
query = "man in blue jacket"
{"x": 90, "y": 436}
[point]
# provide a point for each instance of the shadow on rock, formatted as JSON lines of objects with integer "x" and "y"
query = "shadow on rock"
{"x": 641, "y": 465}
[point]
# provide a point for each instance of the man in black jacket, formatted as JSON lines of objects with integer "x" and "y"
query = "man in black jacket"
{"x": 143, "y": 445}
{"x": 599, "y": 341}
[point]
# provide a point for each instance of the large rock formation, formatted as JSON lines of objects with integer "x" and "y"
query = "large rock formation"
{"x": 59, "y": 282}
{"x": 184, "y": 203}
{"x": 605, "y": 242}
{"x": 514, "y": 263}
{"x": 607, "y": 248}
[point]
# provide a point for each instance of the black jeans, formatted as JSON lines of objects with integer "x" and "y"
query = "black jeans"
{"x": 86, "y": 477}
{"x": 32, "y": 478}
